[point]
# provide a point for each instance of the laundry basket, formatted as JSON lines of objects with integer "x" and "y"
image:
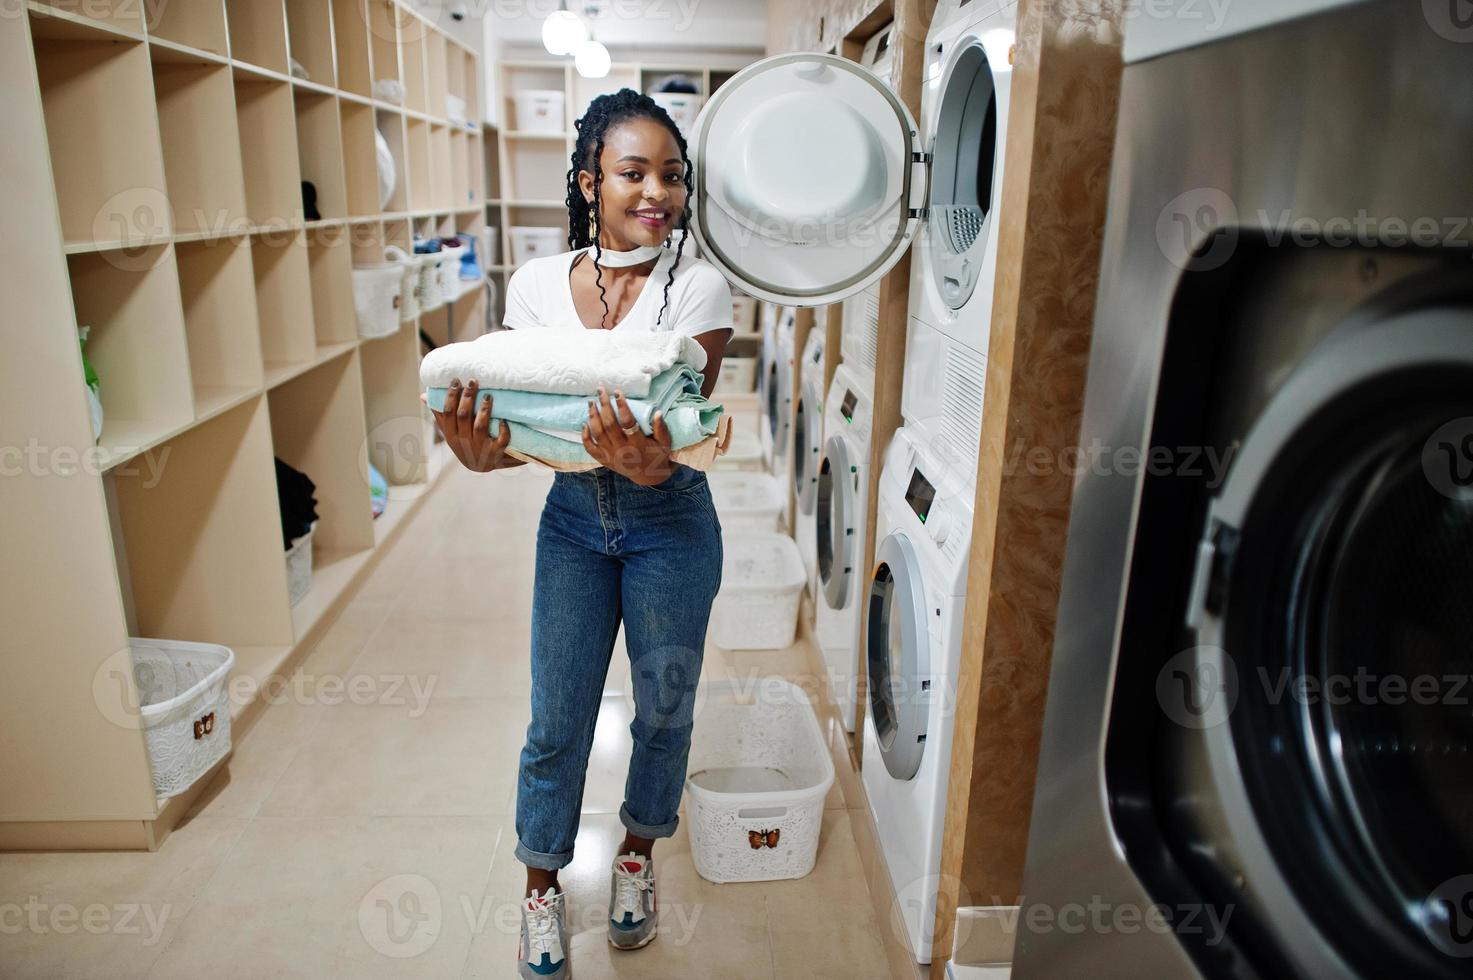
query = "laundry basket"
{"x": 762, "y": 578}
{"x": 539, "y": 110}
{"x": 746, "y": 502}
{"x": 744, "y": 454}
{"x": 376, "y": 299}
{"x": 183, "y": 703}
{"x": 431, "y": 295}
{"x": 448, "y": 272}
{"x": 530, "y": 242}
{"x": 299, "y": 566}
{"x": 409, "y": 291}
{"x": 758, "y": 774}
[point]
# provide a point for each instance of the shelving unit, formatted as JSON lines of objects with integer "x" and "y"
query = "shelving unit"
{"x": 164, "y": 207}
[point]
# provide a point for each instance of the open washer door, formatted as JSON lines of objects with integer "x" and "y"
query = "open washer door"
{"x": 807, "y": 445}
{"x": 836, "y": 521}
{"x": 808, "y": 179}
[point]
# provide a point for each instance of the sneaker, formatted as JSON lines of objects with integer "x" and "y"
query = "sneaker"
{"x": 632, "y": 902}
{"x": 542, "y": 952}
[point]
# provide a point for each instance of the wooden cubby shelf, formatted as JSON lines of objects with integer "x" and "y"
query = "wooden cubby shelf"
{"x": 158, "y": 162}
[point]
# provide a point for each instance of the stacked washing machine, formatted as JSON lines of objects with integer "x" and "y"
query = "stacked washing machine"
{"x": 808, "y": 429}
{"x": 821, "y": 233}
{"x": 775, "y": 395}
{"x": 1258, "y": 726}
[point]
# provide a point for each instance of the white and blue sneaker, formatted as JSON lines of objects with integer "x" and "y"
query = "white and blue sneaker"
{"x": 543, "y": 952}
{"x": 632, "y": 902}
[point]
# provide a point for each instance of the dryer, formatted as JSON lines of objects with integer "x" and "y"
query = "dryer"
{"x": 808, "y": 429}
{"x": 841, "y": 531}
{"x": 915, "y": 598}
{"x": 1257, "y": 728}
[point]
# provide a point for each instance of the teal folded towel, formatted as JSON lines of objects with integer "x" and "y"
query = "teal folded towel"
{"x": 676, "y": 393}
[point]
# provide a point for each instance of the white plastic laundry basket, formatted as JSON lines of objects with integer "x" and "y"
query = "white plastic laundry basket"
{"x": 738, "y": 375}
{"x": 758, "y": 774}
{"x": 299, "y": 566}
{"x": 744, "y": 454}
{"x": 184, "y": 705}
{"x": 743, "y": 313}
{"x": 431, "y": 294}
{"x": 408, "y": 281}
{"x": 683, "y": 108}
{"x": 376, "y": 299}
{"x": 747, "y": 503}
{"x": 762, "y": 581}
{"x": 539, "y": 110}
{"x": 530, "y": 242}
{"x": 448, "y": 272}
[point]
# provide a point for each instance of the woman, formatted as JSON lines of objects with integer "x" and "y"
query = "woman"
{"x": 636, "y": 540}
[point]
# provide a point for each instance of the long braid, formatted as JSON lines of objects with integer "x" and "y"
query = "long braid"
{"x": 584, "y": 218}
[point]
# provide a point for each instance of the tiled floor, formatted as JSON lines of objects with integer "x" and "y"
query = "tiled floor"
{"x": 364, "y": 827}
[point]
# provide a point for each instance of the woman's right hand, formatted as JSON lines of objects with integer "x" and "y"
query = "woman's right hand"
{"x": 469, "y": 436}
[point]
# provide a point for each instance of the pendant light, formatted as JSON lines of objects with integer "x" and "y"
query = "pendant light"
{"x": 592, "y": 59}
{"x": 563, "y": 31}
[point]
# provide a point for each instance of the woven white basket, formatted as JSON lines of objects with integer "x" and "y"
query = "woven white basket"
{"x": 376, "y": 299}
{"x": 299, "y": 567}
{"x": 449, "y": 273}
{"x": 431, "y": 295}
{"x": 762, "y": 578}
{"x": 408, "y": 281}
{"x": 184, "y": 706}
{"x": 746, "y": 502}
{"x": 758, "y": 774}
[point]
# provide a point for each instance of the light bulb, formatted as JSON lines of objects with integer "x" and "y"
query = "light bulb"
{"x": 562, "y": 32}
{"x": 592, "y": 59}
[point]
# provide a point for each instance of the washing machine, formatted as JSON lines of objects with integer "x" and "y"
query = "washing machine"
{"x": 916, "y": 599}
{"x": 1257, "y": 728}
{"x": 841, "y": 531}
{"x": 808, "y": 429}
{"x": 780, "y": 363}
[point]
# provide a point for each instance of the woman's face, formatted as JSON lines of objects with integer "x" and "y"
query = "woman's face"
{"x": 643, "y": 191}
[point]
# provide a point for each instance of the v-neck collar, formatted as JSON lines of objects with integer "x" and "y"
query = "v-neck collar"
{"x": 661, "y": 263}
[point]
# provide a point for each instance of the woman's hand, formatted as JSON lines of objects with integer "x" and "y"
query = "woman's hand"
{"x": 614, "y": 439}
{"x": 469, "y": 436}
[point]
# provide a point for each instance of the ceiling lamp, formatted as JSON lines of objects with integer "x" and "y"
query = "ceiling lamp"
{"x": 562, "y": 32}
{"x": 592, "y": 59}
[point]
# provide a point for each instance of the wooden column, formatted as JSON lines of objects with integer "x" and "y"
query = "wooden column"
{"x": 1061, "y": 134}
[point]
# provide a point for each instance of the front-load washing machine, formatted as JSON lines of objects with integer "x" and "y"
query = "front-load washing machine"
{"x": 808, "y": 431}
{"x": 841, "y": 532}
{"x": 1258, "y": 728}
{"x": 915, "y": 600}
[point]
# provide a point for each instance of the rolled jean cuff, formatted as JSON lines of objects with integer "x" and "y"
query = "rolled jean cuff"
{"x": 536, "y": 859}
{"x": 650, "y": 831}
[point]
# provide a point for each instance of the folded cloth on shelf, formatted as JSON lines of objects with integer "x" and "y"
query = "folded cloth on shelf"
{"x": 553, "y": 361}
{"x": 675, "y": 392}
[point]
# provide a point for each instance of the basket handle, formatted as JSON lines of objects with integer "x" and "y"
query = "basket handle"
{"x": 762, "y": 812}
{"x": 397, "y": 254}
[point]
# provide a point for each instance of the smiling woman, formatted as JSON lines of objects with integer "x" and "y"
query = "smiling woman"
{"x": 635, "y": 542}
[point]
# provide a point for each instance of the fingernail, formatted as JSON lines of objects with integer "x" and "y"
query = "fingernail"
{"x": 455, "y": 382}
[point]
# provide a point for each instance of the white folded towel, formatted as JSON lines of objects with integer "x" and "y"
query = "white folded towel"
{"x": 561, "y": 362}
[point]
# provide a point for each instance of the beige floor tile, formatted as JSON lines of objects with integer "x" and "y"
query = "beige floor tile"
{"x": 260, "y": 758}
{"x": 105, "y": 915}
{"x": 465, "y": 658}
{"x": 339, "y": 897}
{"x": 422, "y": 756}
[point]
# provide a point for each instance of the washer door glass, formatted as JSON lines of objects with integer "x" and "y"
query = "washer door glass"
{"x": 1349, "y": 616}
{"x": 808, "y": 448}
{"x": 966, "y": 169}
{"x": 806, "y": 177}
{"x": 898, "y": 656}
{"x": 833, "y": 526}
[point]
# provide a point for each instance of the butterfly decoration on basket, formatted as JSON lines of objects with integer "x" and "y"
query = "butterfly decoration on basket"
{"x": 204, "y": 726}
{"x": 763, "y": 838}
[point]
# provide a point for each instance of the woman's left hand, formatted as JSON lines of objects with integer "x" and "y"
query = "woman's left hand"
{"x": 614, "y": 439}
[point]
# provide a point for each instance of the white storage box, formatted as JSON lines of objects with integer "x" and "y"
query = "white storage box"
{"x": 455, "y": 109}
{"x": 531, "y": 242}
{"x": 744, "y": 453}
{"x": 299, "y": 566}
{"x": 682, "y": 106}
{"x": 539, "y": 110}
{"x": 758, "y": 774}
{"x": 738, "y": 375}
{"x": 762, "y": 581}
{"x": 377, "y": 298}
{"x": 743, "y": 313}
{"x": 184, "y": 706}
{"x": 746, "y": 503}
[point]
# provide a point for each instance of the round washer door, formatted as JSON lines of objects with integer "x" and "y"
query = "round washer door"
{"x": 898, "y": 655}
{"x": 835, "y": 514}
{"x": 807, "y": 179}
{"x": 807, "y": 446}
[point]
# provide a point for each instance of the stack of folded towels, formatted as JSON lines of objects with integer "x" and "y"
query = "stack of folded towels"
{"x": 541, "y": 381}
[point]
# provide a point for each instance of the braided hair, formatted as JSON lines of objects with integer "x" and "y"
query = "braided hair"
{"x": 584, "y": 218}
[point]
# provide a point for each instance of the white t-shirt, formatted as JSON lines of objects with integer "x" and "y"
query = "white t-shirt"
{"x": 541, "y": 295}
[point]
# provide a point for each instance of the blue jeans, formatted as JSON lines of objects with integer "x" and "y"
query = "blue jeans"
{"x": 608, "y": 550}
